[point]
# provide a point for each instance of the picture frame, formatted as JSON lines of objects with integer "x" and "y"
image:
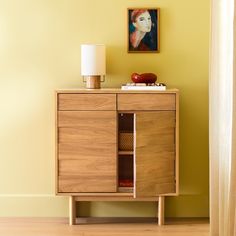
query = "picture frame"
{"x": 143, "y": 30}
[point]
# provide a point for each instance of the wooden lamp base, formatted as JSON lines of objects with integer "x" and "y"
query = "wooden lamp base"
{"x": 93, "y": 82}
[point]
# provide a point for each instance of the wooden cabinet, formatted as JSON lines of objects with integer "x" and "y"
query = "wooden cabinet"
{"x": 114, "y": 145}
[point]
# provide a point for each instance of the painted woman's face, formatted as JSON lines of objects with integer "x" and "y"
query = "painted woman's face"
{"x": 143, "y": 22}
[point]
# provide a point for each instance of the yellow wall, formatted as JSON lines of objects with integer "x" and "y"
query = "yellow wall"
{"x": 40, "y": 51}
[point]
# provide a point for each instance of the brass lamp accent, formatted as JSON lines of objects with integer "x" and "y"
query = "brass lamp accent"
{"x": 93, "y": 82}
{"x": 93, "y": 65}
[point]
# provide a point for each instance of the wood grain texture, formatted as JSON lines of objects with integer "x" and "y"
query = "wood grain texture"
{"x": 83, "y": 150}
{"x": 91, "y": 127}
{"x": 161, "y": 210}
{"x": 118, "y": 198}
{"x": 86, "y": 102}
{"x": 103, "y": 227}
{"x": 87, "y": 151}
{"x": 144, "y": 102}
{"x": 105, "y": 196}
{"x": 86, "y": 118}
{"x": 84, "y": 166}
{"x": 83, "y": 136}
{"x": 103, "y": 182}
{"x": 154, "y": 166}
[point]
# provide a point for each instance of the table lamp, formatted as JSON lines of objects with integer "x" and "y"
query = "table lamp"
{"x": 93, "y": 64}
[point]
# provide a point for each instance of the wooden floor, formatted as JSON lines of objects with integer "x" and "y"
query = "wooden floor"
{"x": 60, "y": 227}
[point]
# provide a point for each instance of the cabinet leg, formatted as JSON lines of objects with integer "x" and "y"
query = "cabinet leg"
{"x": 161, "y": 210}
{"x": 72, "y": 210}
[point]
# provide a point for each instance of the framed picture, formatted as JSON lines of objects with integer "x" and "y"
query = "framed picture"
{"x": 143, "y": 30}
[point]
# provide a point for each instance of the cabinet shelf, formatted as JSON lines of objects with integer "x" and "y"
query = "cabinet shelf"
{"x": 126, "y": 153}
{"x": 125, "y": 189}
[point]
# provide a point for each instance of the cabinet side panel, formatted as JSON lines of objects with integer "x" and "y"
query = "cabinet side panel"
{"x": 56, "y": 142}
{"x": 177, "y": 144}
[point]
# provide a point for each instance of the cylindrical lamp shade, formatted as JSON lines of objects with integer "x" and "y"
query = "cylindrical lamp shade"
{"x": 93, "y": 59}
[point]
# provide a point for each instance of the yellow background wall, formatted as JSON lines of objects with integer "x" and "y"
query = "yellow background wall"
{"x": 40, "y": 52}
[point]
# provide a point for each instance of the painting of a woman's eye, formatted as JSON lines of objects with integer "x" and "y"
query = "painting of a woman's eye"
{"x": 141, "y": 18}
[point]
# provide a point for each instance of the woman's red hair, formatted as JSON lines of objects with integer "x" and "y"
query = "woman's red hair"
{"x": 136, "y": 13}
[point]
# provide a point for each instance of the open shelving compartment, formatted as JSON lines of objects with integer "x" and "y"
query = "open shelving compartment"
{"x": 126, "y": 152}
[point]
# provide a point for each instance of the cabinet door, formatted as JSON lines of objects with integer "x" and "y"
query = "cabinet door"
{"x": 87, "y": 152}
{"x": 154, "y": 153}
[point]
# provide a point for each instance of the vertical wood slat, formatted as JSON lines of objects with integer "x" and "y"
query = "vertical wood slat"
{"x": 72, "y": 210}
{"x": 177, "y": 144}
{"x": 161, "y": 210}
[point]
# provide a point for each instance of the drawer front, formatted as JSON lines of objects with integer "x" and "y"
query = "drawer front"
{"x": 86, "y": 102}
{"x": 136, "y": 102}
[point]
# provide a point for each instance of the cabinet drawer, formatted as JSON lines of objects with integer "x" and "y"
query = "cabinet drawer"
{"x": 86, "y": 102}
{"x": 135, "y": 102}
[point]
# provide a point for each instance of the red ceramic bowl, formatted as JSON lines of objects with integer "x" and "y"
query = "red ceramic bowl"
{"x": 144, "y": 78}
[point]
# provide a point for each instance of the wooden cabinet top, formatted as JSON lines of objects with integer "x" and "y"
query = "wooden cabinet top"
{"x": 114, "y": 90}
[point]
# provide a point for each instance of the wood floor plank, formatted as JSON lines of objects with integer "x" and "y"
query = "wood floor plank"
{"x": 60, "y": 227}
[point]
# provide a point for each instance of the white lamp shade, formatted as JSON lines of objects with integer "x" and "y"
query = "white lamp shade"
{"x": 93, "y": 59}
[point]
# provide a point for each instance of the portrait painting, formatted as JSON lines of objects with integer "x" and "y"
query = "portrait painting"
{"x": 143, "y": 30}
